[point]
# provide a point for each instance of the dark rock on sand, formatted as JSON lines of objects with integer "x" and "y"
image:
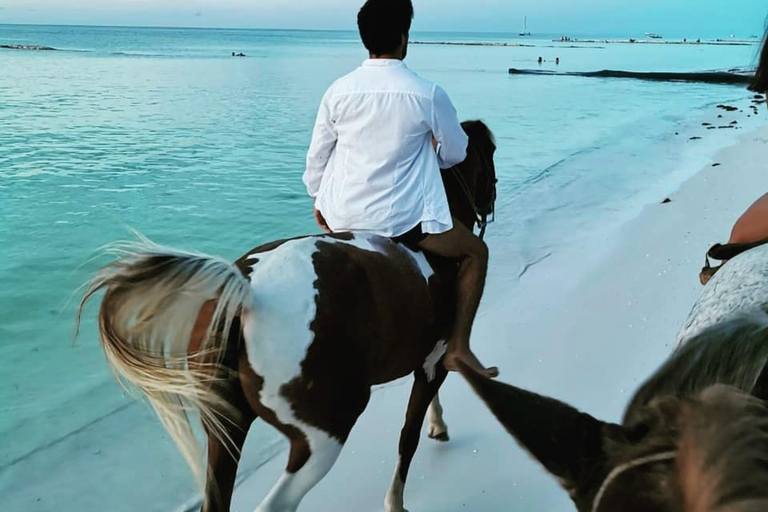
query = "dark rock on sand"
{"x": 716, "y": 164}
{"x": 726, "y": 126}
{"x": 694, "y": 138}
{"x": 713, "y": 77}
{"x": 734, "y": 122}
{"x": 711, "y": 127}
{"x": 26, "y": 47}
{"x": 727, "y": 108}
{"x": 667, "y": 200}
{"x": 706, "y": 124}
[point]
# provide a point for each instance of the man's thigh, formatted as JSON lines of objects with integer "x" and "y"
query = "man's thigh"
{"x": 459, "y": 241}
{"x": 753, "y": 223}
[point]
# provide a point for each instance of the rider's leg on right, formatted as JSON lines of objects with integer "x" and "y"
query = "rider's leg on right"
{"x": 461, "y": 244}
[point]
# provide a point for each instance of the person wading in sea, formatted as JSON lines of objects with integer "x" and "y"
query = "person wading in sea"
{"x": 381, "y": 136}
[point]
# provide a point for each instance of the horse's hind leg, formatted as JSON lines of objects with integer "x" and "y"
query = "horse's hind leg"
{"x": 224, "y": 454}
{"x": 223, "y": 458}
{"x": 312, "y": 455}
{"x": 437, "y": 428}
{"x": 422, "y": 393}
{"x": 335, "y": 404}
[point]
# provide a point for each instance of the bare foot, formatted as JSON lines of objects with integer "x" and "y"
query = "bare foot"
{"x": 468, "y": 358}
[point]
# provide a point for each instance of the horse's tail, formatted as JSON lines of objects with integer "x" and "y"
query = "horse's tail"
{"x": 153, "y": 297}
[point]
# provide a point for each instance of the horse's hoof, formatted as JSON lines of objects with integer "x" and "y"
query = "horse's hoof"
{"x": 442, "y": 437}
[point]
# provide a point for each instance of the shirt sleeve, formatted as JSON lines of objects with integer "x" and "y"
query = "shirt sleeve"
{"x": 447, "y": 130}
{"x": 320, "y": 148}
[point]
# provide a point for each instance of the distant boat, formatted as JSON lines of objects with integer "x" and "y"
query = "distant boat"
{"x": 653, "y": 36}
{"x": 525, "y": 28}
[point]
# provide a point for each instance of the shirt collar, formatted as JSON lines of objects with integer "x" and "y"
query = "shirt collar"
{"x": 383, "y": 63}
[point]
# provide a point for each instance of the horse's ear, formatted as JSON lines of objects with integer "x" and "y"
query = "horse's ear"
{"x": 569, "y": 443}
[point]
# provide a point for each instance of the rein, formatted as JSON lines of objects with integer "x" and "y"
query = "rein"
{"x": 619, "y": 470}
{"x": 481, "y": 213}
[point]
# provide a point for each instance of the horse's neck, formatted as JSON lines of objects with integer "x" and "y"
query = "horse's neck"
{"x": 733, "y": 353}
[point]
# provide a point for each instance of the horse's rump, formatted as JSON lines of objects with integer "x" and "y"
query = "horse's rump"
{"x": 362, "y": 296}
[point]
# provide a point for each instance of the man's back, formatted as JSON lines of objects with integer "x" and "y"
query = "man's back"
{"x": 371, "y": 164}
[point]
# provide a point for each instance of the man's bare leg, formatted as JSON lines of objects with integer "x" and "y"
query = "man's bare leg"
{"x": 752, "y": 226}
{"x": 460, "y": 243}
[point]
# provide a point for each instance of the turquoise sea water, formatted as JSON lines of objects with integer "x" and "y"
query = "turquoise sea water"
{"x": 163, "y": 131}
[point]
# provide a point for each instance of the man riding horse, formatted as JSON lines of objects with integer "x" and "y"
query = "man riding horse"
{"x": 296, "y": 332}
{"x": 381, "y": 136}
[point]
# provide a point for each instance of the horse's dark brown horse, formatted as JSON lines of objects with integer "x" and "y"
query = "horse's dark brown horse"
{"x": 295, "y": 332}
{"x": 695, "y": 436}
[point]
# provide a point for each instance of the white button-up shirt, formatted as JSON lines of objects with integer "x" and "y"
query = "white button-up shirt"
{"x": 371, "y": 166}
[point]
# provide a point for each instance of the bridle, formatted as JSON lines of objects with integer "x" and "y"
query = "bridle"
{"x": 619, "y": 470}
{"x": 481, "y": 211}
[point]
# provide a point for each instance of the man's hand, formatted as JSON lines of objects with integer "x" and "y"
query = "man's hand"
{"x": 321, "y": 221}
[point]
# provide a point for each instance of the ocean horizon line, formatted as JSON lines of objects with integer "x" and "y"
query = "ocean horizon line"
{"x": 511, "y": 33}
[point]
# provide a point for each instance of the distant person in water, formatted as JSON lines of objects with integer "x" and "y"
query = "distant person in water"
{"x": 557, "y": 61}
{"x": 752, "y": 227}
{"x": 541, "y": 60}
{"x": 381, "y": 136}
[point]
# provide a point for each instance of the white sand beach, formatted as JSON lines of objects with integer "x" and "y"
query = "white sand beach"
{"x": 586, "y": 327}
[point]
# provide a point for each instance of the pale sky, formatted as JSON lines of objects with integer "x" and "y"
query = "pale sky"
{"x": 692, "y": 18}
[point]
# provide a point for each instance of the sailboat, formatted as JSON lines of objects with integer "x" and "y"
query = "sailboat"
{"x": 525, "y": 28}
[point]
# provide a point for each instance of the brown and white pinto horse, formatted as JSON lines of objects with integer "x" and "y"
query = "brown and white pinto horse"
{"x": 295, "y": 332}
{"x": 694, "y": 437}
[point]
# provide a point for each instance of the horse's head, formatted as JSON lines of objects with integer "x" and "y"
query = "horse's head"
{"x": 704, "y": 454}
{"x": 471, "y": 185}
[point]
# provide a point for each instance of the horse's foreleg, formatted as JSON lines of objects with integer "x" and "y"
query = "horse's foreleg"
{"x": 437, "y": 428}
{"x": 422, "y": 393}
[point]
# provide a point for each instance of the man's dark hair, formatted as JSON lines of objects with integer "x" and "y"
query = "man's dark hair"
{"x": 760, "y": 83}
{"x": 383, "y": 23}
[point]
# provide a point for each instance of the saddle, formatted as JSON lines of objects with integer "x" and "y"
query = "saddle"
{"x": 724, "y": 252}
